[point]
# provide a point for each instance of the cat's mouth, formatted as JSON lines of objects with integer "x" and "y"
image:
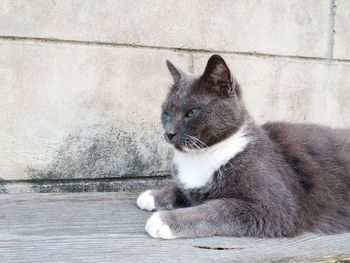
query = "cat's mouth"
{"x": 186, "y": 148}
{"x": 180, "y": 147}
{"x": 190, "y": 144}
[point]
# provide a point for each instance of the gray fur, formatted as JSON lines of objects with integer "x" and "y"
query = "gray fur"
{"x": 290, "y": 179}
{"x": 168, "y": 197}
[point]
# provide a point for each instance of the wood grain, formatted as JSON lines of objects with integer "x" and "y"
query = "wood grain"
{"x": 108, "y": 227}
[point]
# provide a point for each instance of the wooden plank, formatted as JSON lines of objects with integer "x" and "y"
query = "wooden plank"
{"x": 108, "y": 227}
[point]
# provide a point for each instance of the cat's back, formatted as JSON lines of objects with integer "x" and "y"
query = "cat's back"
{"x": 312, "y": 145}
{"x": 320, "y": 160}
{"x": 314, "y": 140}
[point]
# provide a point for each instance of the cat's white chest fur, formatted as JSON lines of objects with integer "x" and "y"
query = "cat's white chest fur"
{"x": 196, "y": 167}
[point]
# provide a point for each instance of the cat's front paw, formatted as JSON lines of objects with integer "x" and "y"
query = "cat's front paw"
{"x": 157, "y": 228}
{"x": 146, "y": 201}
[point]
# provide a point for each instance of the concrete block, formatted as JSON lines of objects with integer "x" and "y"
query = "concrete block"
{"x": 342, "y": 30}
{"x": 71, "y": 111}
{"x": 291, "y": 90}
{"x": 293, "y": 27}
{"x": 338, "y": 94}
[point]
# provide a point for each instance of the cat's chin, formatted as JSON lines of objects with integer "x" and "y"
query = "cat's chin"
{"x": 180, "y": 148}
{"x": 183, "y": 148}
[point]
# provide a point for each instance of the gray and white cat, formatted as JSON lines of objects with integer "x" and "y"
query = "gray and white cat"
{"x": 235, "y": 178}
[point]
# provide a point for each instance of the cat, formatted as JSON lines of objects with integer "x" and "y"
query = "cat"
{"x": 235, "y": 178}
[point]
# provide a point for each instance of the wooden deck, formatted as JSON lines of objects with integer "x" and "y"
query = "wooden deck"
{"x": 108, "y": 227}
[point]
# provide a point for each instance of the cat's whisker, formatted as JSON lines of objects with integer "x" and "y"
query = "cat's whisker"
{"x": 190, "y": 144}
{"x": 187, "y": 145}
{"x": 201, "y": 143}
{"x": 195, "y": 144}
{"x": 198, "y": 147}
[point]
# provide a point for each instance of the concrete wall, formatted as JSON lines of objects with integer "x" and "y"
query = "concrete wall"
{"x": 81, "y": 82}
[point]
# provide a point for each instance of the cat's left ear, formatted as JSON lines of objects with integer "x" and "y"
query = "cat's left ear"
{"x": 175, "y": 72}
{"x": 218, "y": 74}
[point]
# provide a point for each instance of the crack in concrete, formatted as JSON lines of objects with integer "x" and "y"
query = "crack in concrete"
{"x": 173, "y": 49}
{"x": 332, "y": 14}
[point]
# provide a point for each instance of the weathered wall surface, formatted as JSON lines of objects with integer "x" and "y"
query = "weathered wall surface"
{"x": 81, "y": 82}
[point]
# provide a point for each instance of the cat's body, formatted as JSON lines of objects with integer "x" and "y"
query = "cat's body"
{"x": 238, "y": 179}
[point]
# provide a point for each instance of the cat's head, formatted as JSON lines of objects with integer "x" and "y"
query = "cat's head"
{"x": 202, "y": 110}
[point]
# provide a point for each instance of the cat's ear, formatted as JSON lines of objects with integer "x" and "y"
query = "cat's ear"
{"x": 216, "y": 70}
{"x": 175, "y": 72}
{"x": 218, "y": 74}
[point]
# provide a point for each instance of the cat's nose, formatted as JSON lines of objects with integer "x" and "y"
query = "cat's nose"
{"x": 170, "y": 136}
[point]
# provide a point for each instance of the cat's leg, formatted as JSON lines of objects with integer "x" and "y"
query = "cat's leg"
{"x": 225, "y": 217}
{"x": 166, "y": 198}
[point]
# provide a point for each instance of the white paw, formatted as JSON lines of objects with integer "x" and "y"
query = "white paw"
{"x": 157, "y": 229}
{"x": 146, "y": 201}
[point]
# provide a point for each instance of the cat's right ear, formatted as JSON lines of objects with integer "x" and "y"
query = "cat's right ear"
{"x": 218, "y": 74}
{"x": 175, "y": 72}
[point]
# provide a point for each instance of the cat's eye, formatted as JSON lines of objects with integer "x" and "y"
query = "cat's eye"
{"x": 166, "y": 113}
{"x": 191, "y": 113}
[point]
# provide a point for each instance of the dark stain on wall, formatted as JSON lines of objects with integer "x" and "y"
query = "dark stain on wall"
{"x": 108, "y": 151}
